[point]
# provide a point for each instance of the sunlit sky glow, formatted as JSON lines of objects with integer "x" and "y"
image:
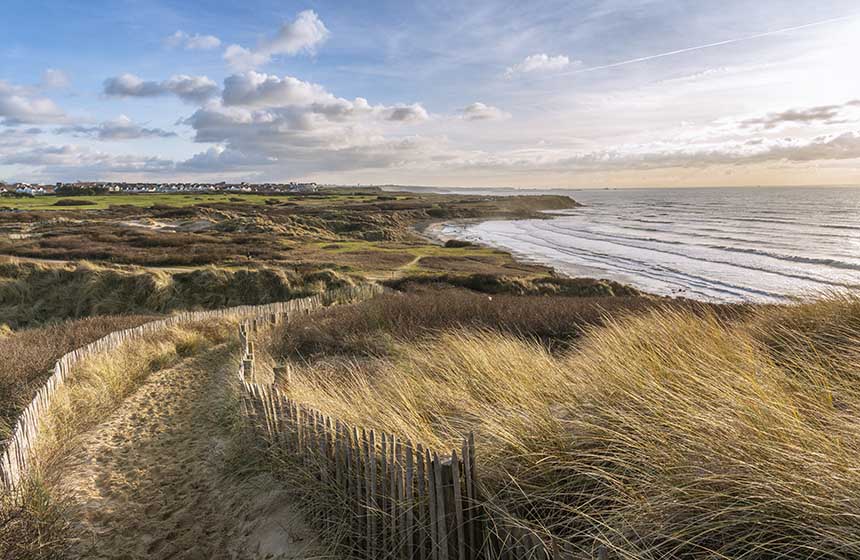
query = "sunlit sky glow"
{"x": 529, "y": 94}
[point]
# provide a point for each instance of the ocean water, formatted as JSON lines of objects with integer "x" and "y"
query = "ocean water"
{"x": 716, "y": 244}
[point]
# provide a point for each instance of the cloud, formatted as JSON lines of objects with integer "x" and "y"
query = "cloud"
{"x": 824, "y": 114}
{"x": 55, "y": 79}
{"x": 121, "y": 128}
{"x": 303, "y": 34}
{"x": 66, "y": 160}
{"x": 540, "y": 63}
{"x": 260, "y": 90}
{"x": 194, "y": 89}
{"x": 267, "y": 91}
{"x": 263, "y": 121}
{"x": 480, "y": 112}
{"x": 192, "y": 42}
{"x": 407, "y": 113}
{"x": 791, "y": 151}
{"x": 19, "y": 105}
{"x": 219, "y": 159}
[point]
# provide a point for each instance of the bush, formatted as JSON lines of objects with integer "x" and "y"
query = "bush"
{"x": 73, "y": 202}
{"x": 495, "y": 284}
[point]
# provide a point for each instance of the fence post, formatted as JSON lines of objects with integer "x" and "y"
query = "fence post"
{"x": 282, "y": 377}
{"x": 248, "y": 365}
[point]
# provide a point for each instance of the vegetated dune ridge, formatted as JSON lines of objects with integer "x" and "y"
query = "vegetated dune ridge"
{"x": 31, "y": 293}
{"x": 27, "y": 357}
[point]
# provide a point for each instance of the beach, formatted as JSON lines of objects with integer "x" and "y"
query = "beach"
{"x": 714, "y": 244}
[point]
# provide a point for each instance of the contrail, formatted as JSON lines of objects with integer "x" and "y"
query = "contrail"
{"x": 709, "y": 45}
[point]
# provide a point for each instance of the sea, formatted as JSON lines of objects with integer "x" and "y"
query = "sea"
{"x": 751, "y": 244}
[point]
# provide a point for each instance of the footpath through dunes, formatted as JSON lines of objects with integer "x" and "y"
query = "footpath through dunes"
{"x": 154, "y": 480}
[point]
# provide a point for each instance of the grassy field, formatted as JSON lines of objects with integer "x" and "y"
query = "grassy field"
{"x": 147, "y": 200}
{"x": 658, "y": 428}
{"x": 659, "y": 431}
{"x": 361, "y": 233}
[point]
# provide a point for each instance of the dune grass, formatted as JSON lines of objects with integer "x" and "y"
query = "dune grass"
{"x": 27, "y": 357}
{"x": 33, "y": 293}
{"x": 659, "y": 433}
{"x": 33, "y": 524}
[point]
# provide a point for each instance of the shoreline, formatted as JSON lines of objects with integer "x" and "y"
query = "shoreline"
{"x": 432, "y": 232}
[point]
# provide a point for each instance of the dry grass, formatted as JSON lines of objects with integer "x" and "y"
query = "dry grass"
{"x": 666, "y": 433}
{"x": 372, "y": 328}
{"x": 27, "y": 357}
{"x": 102, "y": 381}
{"x": 32, "y": 293}
{"x": 33, "y": 524}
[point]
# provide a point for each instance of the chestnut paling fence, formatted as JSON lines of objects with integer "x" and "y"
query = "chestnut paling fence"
{"x": 400, "y": 499}
{"x": 18, "y": 454}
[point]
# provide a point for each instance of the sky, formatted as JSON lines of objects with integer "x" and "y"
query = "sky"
{"x": 573, "y": 93}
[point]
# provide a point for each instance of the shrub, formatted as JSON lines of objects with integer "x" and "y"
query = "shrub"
{"x": 73, "y": 202}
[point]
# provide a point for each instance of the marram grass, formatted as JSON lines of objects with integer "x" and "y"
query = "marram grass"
{"x": 666, "y": 434}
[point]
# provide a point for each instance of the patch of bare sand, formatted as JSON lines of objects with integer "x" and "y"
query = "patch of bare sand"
{"x": 150, "y": 482}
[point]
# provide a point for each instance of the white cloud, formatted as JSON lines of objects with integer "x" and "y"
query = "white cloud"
{"x": 192, "y": 42}
{"x": 120, "y": 128}
{"x": 540, "y": 63}
{"x": 194, "y": 89}
{"x": 260, "y": 90}
{"x": 191, "y": 88}
{"x": 19, "y": 105}
{"x": 55, "y": 79}
{"x": 303, "y": 34}
{"x": 785, "y": 151}
{"x": 481, "y": 112}
{"x": 77, "y": 161}
{"x": 267, "y": 121}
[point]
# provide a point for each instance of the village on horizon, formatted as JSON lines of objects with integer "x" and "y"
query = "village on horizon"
{"x": 116, "y": 187}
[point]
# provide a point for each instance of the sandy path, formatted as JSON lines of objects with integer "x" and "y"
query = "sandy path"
{"x": 150, "y": 481}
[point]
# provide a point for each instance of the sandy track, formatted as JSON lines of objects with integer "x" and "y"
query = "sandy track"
{"x": 150, "y": 481}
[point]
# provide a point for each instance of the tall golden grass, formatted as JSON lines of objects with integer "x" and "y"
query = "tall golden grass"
{"x": 35, "y": 293}
{"x": 28, "y": 356}
{"x": 666, "y": 433}
{"x": 33, "y": 523}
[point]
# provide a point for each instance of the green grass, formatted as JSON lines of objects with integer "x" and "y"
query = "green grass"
{"x": 102, "y": 202}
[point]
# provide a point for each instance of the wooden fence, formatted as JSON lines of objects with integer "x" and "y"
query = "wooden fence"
{"x": 17, "y": 455}
{"x": 403, "y": 500}
{"x": 400, "y": 499}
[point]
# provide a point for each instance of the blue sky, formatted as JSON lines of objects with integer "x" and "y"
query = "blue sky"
{"x": 541, "y": 93}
